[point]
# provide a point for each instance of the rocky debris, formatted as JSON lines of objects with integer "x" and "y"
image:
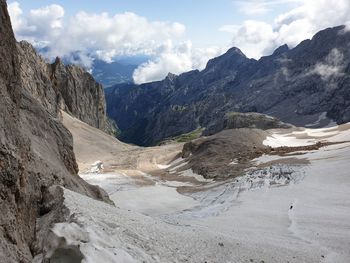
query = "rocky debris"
{"x": 225, "y": 154}
{"x": 236, "y": 120}
{"x": 36, "y": 151}
{"x": 49, "y": 247}
{"x": 298, "y": 86}
{"x": 59, "y": 87}
{"x": 229, "y": 153}
{"x": 285, "y": 150}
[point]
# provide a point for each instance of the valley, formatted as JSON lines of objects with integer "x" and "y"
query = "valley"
{"x": 277, "y": 211}
{"x": 241, "y": 160}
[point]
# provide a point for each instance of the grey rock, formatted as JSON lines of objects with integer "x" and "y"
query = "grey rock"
{"x": 226, "y": 154}
{"x": 306, "y": 85}
{"x": 36, "y": 150}
{"x": 237, "y": 120}
{"x": 59, "y": 87}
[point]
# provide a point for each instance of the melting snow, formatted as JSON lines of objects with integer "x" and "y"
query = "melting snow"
{"x": 277, "y": 213}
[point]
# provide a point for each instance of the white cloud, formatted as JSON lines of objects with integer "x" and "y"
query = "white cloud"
{"x": 260, "y": 7}
{"x": 174, "y": 59}
{"x": 333, "y": 66}
{"x": 46, "y": 19}
{"x": 257, "y": 38}
{"x": 121, "y": 33}
{"x": 85, "y": 36}
{"x": 40, "y": 25}
{"x": 16, "y": 13}
{"x": 252, "y": 37}
{"x": 103, "y": 34}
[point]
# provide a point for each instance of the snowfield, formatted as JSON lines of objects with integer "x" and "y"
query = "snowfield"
{"x": 305, "y": 137}
{"x": 293, "y": 208}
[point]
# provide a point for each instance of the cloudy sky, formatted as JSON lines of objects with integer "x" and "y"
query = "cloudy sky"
{"x": 177, "y": 36}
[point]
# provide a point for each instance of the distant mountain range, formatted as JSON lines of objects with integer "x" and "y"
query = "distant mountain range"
{"x": 306, "y": 86}
{"x": 109, "y": 74}
{"x": 117, "y": 72}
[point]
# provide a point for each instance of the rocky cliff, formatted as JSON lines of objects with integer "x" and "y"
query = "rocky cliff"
{"x": 36, "y": 150}
{"x": 306, "y": 86}
{"x": 59, "y": 87}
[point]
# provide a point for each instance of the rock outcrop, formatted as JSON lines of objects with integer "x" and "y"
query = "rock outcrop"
{"x": 36, "y": 150}
{"x": 237, "y": 120}
{"x": 305, "y": 86}
{"x": 226, "y": 154}
{"x": 59, "y": 87}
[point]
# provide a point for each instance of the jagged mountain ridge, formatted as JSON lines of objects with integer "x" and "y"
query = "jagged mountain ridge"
{"x": 63, "y": 87}
{"x": 306, "y": 85}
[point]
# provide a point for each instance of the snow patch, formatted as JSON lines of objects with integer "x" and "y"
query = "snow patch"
{"x": 198, "y": 177}
{"x": 163, "y": 166}
{"x": 177, "y": 166}
{"x": 306, "y": 137}
{"x": 96, "y": 167}
{"x": 151, "y": 200}
{"x": 322, "y": 117}
{"x": 223, "y": 197}
{"x": 279, "y": 140}
{"x": 233, "y": 162}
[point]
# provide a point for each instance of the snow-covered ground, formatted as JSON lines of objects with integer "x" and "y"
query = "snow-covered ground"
{"x": 295, "y": 209}
{"x": 305, "y": 137}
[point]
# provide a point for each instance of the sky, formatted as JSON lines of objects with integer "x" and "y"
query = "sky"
{"x": 177, "y": 36}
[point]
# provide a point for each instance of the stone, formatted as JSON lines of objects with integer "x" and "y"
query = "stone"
{"x": 306, "y": 85}
{"x": 36, "y": 150}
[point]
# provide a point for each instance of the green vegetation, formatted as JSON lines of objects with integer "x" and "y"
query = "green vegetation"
{"x": 186, "y": 137}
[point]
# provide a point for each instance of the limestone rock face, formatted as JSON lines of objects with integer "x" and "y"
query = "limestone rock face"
{"x": 36, "y": 150}
{"x": 59, "y": 87}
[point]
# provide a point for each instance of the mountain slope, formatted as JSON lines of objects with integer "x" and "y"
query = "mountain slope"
{"x": 60, "y": 87}
{"x": 36, "y": 152}
{"x": 305, "y": 86}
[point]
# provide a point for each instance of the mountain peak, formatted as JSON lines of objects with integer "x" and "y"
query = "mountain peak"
{"x": 57, "y": 60}
{"x": 171, "y": 76}
{"x": 289, "y": 89}
{"x": 235, "y": 51}
{"x": 233, "y": 57}
{"x": 280, "y": 50}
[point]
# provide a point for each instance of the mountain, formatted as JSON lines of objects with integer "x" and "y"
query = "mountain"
{"x": 36, "y": 150}
{"x": 109, "y": 74}
{"x": 59, "y": 87}
{"x": 305, "y": 86}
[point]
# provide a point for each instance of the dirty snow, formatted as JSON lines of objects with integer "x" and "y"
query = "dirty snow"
{"x": 198, "y": 177}
{"x": 306, "y": 137}
{"x": 322, "y": 118}
{"x": 96, "y": 167}
{"x": 274, "y": 213}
